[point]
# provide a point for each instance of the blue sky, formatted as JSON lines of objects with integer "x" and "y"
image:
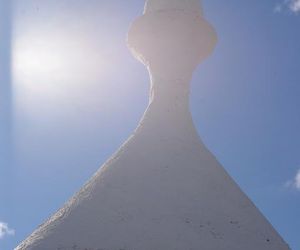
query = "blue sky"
{"x": 76, "y": 94}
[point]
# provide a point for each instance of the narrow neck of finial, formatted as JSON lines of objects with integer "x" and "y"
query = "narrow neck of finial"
{"x": 168, "y": 111}
{"x": 170, "y": 91}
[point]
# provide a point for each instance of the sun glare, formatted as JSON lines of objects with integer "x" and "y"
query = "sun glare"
{"x": 51, "y": 67}
{"x": 38, "y": 57}
{"x": 54, "y": 58}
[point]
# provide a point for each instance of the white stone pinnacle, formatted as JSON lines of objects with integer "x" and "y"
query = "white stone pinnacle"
{"x": 163, "y": 190}
{"x": 160, "y": 5}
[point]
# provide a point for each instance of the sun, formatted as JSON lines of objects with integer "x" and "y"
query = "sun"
{"x": 54, "y": 57}
{"x": 37, "y": 56}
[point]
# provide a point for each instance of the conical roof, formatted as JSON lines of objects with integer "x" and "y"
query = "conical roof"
{"x": 163, "y": 189}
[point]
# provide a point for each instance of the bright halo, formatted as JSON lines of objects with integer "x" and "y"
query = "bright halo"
{"x": 54, "y": 57}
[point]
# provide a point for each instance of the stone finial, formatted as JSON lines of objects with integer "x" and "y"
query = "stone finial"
{"x": 161, "y": 5}
{"x": 172, "y": 36}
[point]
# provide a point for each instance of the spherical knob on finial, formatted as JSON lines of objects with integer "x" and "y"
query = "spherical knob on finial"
{"x": 172, "y": 36}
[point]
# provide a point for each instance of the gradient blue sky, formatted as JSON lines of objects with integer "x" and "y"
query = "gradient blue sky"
{"x": 77, "y": 94}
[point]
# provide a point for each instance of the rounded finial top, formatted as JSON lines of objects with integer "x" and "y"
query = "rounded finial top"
{"x": 172, "y": 36}
{"x": 161, "y": 5}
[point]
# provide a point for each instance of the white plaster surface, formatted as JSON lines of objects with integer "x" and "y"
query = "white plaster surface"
{"x": 163, "y": 190}
{"x": 160, "y": 5}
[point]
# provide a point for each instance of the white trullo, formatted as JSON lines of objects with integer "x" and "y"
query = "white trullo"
{"x": 163, "y": 190}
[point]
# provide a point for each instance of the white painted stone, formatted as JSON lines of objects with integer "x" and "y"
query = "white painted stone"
{"x": 163, "y": 190}
{"x": 160, "y": 5}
